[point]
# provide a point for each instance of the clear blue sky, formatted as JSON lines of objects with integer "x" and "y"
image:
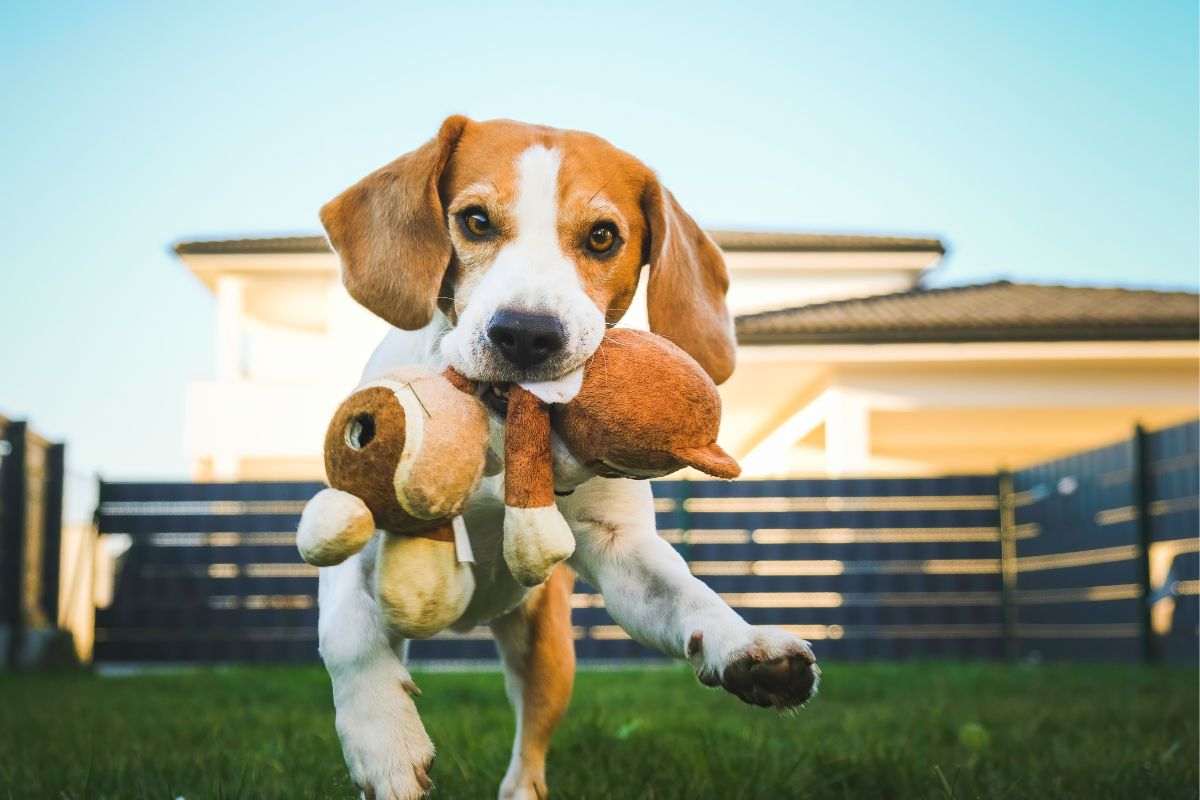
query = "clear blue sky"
{"x": 1043, "y": 141}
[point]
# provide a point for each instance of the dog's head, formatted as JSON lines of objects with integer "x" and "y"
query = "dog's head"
{"x": 530, "y": 240}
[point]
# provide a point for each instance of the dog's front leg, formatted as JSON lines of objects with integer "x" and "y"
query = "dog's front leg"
{"x": 650, "y": 592}
{"x": 385, "y": 745}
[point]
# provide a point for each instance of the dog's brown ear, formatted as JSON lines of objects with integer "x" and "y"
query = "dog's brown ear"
{"x": 389, "y": 230}
{"x": 687, "y": 284}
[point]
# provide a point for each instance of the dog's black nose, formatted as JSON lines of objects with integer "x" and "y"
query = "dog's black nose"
{"x": 525, "y": 340}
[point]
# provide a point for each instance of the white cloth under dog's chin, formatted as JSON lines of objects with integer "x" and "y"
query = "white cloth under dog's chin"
{"x": 559, "y": 390}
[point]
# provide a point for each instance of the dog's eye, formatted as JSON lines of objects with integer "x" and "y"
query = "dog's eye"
{"x": 602, "y": 237}
{"x": 475, "y": 222}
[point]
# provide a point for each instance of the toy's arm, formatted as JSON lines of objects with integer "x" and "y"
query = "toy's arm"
{"x": 460, "y": 381}
{"x": 536, "y": 537}
{"x": 334, "y": 526}
{"x": 529, "y": 473}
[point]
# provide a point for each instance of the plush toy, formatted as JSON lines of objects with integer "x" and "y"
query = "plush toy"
{"x": 644, "y": 409}
{"x": 404, "y": 453}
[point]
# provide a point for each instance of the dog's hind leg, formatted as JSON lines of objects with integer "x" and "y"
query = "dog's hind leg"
{"x": 539, "y": 670}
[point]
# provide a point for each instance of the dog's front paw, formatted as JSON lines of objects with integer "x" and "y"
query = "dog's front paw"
{"x": 385, "y": 745}
{"x": 764, "y": 666}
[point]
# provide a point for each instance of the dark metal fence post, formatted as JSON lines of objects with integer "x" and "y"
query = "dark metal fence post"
{"x": 52, "y": 505}
{"x": 12, "y": 537}
{"x": 1142, "y": 486}
{"x": 1007, "y": 510}
{"x": 99, "y": 503}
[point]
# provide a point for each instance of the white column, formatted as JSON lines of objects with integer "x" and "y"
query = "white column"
{"x": 847, "y": 434}
{"x": 231, "y": 290}
{"x": 230, "y": 298}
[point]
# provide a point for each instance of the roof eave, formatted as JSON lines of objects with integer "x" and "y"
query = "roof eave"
{"x": 1090, "y": 333}
{"x": 729, "y": 241}
{"x": 282, "y": 245}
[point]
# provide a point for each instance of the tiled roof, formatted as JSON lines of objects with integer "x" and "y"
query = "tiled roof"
{"x": 1000, "y": 311}
{"x": 732, "y": 241}
{"x": 256, "y": 245}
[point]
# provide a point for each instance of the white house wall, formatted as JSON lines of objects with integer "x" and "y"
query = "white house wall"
{"x": 924, "y": 413}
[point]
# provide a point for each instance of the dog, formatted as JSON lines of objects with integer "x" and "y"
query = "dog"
{"x": 505, "y": 250}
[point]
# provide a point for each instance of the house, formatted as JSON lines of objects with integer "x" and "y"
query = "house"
{"x": 847, "y": 364}
{"x": 964, "y": 379}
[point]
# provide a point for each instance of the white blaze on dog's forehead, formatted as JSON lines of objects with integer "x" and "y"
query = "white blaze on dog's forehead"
{"x": 537, "y": 194}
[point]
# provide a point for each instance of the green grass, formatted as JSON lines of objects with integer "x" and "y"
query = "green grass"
{"x": 916, "y": 730}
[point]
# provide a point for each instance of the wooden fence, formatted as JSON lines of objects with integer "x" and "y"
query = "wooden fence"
{"x": 1051, "y": 561}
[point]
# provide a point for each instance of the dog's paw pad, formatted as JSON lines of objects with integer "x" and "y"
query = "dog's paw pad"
{"x": 780, "y": 682}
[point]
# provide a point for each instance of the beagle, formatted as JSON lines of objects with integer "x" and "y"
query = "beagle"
{"x": 504, "y": 249}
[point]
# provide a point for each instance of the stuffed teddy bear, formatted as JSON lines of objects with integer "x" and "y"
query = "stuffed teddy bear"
{"x": 404, "y": 453}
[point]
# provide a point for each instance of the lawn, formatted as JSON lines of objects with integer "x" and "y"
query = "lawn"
{"x": 916, "y": 730}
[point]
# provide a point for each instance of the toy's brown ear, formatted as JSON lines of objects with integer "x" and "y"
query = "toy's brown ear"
{"x": 711, "y": 460}
{"x": 687, "y": 284}
{"x": 389, "y": 230}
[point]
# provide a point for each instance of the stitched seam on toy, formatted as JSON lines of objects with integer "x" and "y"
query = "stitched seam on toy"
{"x": 414, "y": 435}
{"x": 636, "y": 474}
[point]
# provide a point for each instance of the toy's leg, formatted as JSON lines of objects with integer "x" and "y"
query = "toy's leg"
{"x": 539, "y": 669}
{"x": 650, "y": 592}
{"x": 385, "y": 745}
{"x": 536, "y": 537}
{"x": 334, "y": 526}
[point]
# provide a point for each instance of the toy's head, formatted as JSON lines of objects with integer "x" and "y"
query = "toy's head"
{"x": 646, "y": 409}
{"x": 411, "y": 446}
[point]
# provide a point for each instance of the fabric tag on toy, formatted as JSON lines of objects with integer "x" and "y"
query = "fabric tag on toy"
{"x": 560, "y": 390}
{"x": 462, "y": 542}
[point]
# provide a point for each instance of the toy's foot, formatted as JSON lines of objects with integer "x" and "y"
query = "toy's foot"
{"x": 334, "y": 526}
{"x": 769, "y": 667}
{"x": 536, "y": 540}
